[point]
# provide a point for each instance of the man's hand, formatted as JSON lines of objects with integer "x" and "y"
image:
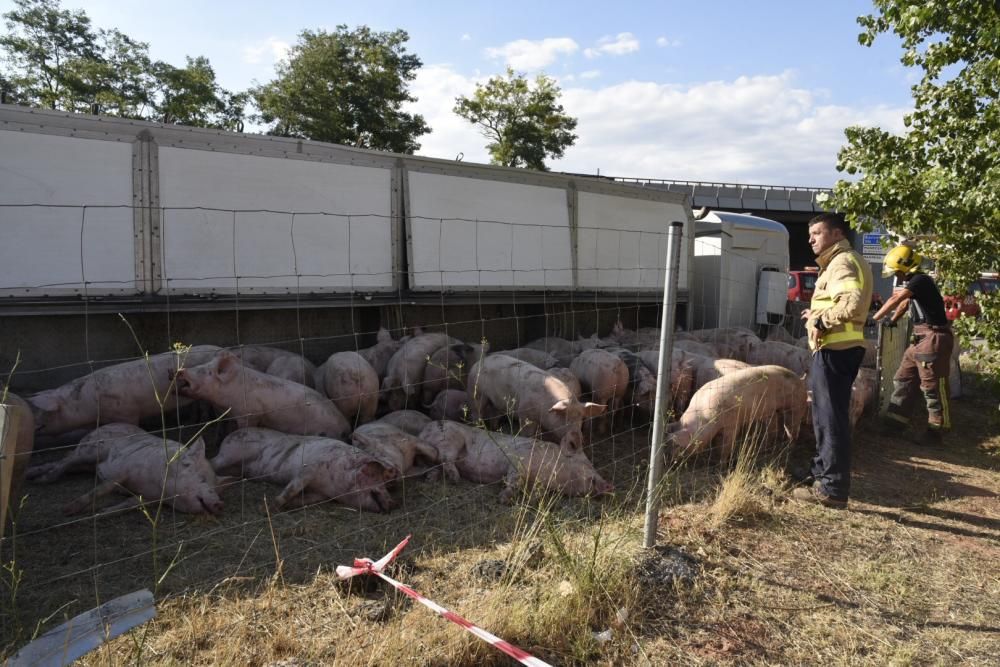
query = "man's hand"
{"x": 806, "y": 314}
{"x": 888, "y": 322}
{"x": 815, "y": 338}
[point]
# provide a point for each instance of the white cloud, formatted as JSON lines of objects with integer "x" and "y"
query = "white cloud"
{"x": 666, "y": 41}
{"x": 619, "y": 45}
{"x": 590, "y": 74}
{"x": 754, "y": 129}
{"x": 525, "y": 54}
{"x": 466, "y": 37}
{"x": 266, "y": 51}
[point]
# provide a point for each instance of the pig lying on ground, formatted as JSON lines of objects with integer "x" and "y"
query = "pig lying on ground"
{"x": 24, "y": 443}
{"x": 410, "y": 421}
{"x": 539, "y": 358}
{"x": 450, "y": 404}
{"x": 393, "y": 446}
{"x": 143, "y": 464}
{"x": 351, "y": 384}
{"x": 125, "y": 393}
{"x": 486, "y": 457}
{"x": 771, "y": 352}
{"x": 605, "y": 378}
{"x": 725, "y": 410}
{"x": 543, "y": 404}
{"x": 379, "y": 354}
{"x": 313, "y": 469}
{"x": 254, "y": 398}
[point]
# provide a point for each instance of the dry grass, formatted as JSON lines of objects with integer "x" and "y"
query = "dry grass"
{"x": 908, "y": 576}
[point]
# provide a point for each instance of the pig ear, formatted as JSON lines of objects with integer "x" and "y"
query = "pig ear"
{"x": 226, "y": 364}
{"x": 383, "y": 335}
{"x": 45, "y": 401}
{"x": 561, "y": 406}
{"x": 593, "y": 409}
{"x": 196, "y": 448}
{"x": 619, "y": 328}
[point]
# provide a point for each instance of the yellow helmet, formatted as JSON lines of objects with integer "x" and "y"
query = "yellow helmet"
{"x": 901, "y": 258}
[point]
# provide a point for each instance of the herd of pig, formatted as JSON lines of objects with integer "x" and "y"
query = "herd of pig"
{"x": 426, "y": 405}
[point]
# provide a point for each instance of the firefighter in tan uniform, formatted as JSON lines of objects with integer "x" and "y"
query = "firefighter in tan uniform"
{"x": 927, "y": 361}
{"x": 835, "y": 322}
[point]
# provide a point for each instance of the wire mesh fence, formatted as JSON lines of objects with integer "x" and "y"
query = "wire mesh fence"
{"x": 222, "y": 387}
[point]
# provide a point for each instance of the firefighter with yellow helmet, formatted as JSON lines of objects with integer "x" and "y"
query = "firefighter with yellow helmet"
{"x": 927, "y": 360}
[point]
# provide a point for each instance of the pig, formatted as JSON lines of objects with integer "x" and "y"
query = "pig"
{"x": 351, "y": 383}
{"x": 605, "y": 378}
{"x": 695, "y": 347}
{"x": 446, "y": 369}
{"x": 682, "y": 375}
{"x": 393, "y": 446}
{"x": 771, "y": 352}
{"x": 379, "y": 354}
{"x": 450, "y": 404}
{"x": 405, "y": 370}
{"x": 569, "y": 378}
{"x": 641, "y": 393}
{"x": 563, "y": 350}
{"x": 144, "y": 464}
{"x": 275, "y": 361}
{"x": 729, "y": 342}
{"x": 254, "y": 398}
{"x": 780, "y": 334}
{"x": 24, "y": 443}
{"x": 295, "y": 368}
{"x": 127, "y": 393}
{"x": 707, "y": 369}
{"x": 543, "y": 404}
{"x": 410, "y": 421}
{"x": 539, "y": 358}
{"x": 313, "y": 469}
{"x": 863, "y": 394}
{"x": 486, "y": 457}
{"x": 724, "y": 410}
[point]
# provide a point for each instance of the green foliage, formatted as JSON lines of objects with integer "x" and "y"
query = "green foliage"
{"x": 57, "y": 60}
{"x": 524, "y": 124}
{"x": 345, "y": 87}
{"x": 939, "y": 181}
{"x": 47, "y": 48}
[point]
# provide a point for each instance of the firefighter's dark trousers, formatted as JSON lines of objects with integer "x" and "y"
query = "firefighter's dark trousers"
{"x": 830, "y": 379}
{"x": 925, "y": 364}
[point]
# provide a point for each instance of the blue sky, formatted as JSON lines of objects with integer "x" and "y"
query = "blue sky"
{"x": 752, "y": 92}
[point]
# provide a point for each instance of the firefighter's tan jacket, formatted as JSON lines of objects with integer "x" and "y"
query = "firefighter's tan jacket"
{"x": 842, "y": 297}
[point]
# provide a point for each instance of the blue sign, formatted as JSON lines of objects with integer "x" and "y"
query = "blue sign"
{"x": 872, "y": 239}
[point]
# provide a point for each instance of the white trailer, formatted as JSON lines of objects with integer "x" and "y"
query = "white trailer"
{"x": 101, "y": 207}
{"x": 740, "y": 271}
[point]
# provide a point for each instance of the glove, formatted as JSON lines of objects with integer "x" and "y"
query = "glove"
{"x": 888, "y": 323}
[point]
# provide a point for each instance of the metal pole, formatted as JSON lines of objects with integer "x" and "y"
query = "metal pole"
{"x": 663, "y": 379}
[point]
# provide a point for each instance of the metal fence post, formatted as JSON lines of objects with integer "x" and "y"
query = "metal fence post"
{"x": 663, "y": 379}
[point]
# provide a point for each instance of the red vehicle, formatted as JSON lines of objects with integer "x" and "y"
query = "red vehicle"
{"x": 801, "y": 284}
{"x": 956, "y": 305}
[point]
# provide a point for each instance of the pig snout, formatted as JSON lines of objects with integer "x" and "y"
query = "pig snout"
{"x": 182, "y": 382}
{"x": 600, "y": 486}
{"x": 572, "y": 440}
{"x": 205, "y": 502}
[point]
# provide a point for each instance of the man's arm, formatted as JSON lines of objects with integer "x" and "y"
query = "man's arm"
{"x": 900, "y": 298}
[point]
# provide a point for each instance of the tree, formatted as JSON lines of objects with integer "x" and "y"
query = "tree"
{"x": 939, "y": 180}
{"x": 345, "y": 87}
{"x": 46, "y": 46}
{"x": 524, "y": 124}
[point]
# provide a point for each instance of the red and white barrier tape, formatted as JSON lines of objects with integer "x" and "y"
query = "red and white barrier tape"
{"x": 368, "y": 566}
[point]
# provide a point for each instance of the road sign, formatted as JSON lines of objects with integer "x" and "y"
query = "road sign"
{"x": 871, "y": 247}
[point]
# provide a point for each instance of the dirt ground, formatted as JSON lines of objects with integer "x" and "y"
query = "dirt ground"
{"x": 908, "y": 575}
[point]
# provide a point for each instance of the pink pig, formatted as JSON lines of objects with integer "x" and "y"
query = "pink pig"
{"x": 486, "y": 457}
{"x": 351, "y": 383}
{"x": 143, "y": 464}
{"x": 255, "y": 398}
{"x": 312, "y": 469}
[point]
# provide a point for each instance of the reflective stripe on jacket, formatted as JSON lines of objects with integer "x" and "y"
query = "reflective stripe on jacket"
{"x": 842, "y": 297}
